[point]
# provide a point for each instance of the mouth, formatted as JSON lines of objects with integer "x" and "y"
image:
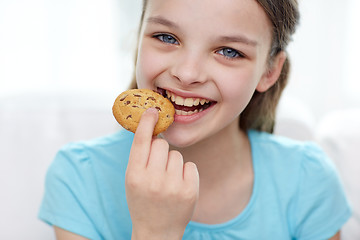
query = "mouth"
{"x": 185, "y": 106}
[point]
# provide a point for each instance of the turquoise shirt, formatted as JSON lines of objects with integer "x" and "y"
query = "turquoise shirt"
{"x": 296, "y": 194}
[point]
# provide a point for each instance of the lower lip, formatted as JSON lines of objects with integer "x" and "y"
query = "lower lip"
{"x": 192, "y": 118}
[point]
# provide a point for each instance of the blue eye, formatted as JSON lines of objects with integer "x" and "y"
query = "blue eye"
{"x": 166, "y": 38}
{"x": 229, "y": 53}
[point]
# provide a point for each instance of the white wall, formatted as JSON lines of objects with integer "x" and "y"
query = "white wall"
{"x": 72, "y": 44}
{"x": 324, "y": 55}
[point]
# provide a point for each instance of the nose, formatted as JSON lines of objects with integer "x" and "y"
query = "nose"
{"x": 189, "y": 68}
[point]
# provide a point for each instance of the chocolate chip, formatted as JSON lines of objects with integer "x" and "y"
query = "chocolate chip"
{"x": 130, "y": 116}
{"x": 137, "y": 95}
{"x": 151, "y": 98}
{"x": 158, "y": 108}
{"x": 127, "y": 102}
{"x": 123, "y": 98}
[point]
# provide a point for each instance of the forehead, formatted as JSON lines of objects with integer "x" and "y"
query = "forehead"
{"x": 225, "y": 17}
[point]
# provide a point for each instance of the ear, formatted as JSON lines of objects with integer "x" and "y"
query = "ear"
{"x": 272, "y": 74}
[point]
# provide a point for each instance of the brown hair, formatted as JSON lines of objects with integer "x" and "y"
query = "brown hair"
{"x": 259, "y": 114}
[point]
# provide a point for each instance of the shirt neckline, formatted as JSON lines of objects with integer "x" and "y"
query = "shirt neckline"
{"x": 247, "y": 210}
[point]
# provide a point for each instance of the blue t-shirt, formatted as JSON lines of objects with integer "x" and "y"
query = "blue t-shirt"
{"x": 296, "y": 194}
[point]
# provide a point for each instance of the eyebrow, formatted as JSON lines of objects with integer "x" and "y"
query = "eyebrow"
{"x": 162, "y": 21}
{"x": 238, "y": 38}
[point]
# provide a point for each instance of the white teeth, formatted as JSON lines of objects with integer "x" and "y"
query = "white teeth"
{"x": 180, "y": 112}
{"x": 185, "y": 113}
{"x": 188, "y": 102}
{"x": 179, "y": 101}
{"x": 196, "y": 102}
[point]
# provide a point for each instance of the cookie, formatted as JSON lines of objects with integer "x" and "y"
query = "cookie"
{"x": 130, "y": 105}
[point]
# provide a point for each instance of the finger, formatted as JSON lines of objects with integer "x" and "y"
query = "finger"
{"x": 158, "y": 155}
{"x": 191, "y": 175}
{"x": 175, "y": 165}
{"x": 143, "y": 137}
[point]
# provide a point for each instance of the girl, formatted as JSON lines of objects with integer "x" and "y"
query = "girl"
{"x": 217, "y": 172}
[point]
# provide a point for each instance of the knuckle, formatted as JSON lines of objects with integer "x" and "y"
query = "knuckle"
{"x": 176, "y": 155}
{"x": 190, "y": 194}
{"x": 139, "y": 141}
{"x": 176, "y": 159}
{"x": 173, "y": 193}
{"x": 191, "y": 171}
{"x": 161, "y": 143}
{"x": 155, "y": 188}
{"x": 175, "y": 188}
{"x": 132, "y": 180}
{"x": 191, "y": 166}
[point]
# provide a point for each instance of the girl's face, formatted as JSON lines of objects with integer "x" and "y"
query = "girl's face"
{"x": 208, "y": 56}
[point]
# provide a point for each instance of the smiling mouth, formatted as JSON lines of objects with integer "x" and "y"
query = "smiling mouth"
{"x": 186, "y": 106}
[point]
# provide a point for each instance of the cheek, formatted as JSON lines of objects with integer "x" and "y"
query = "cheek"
{"x": 143, "y": 70}
{"x": 238, "y": 88}
{"x": 148, "y": 67}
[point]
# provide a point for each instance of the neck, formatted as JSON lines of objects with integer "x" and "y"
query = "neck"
{"x": 226, "y": 174}
{"x": 220, "y": 155}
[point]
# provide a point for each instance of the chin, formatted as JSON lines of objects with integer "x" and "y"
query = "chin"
{"x": 179, "y": 139}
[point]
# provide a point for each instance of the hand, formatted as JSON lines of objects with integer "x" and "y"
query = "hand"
{"x": 161, "y": 190}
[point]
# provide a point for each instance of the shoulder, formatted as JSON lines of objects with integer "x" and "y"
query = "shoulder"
{"x": 296, "y": 166}
{"x": 78, "y": 167}
{"x": 117, "y": 139}
{"x": 80, "y": 177}
{"x": 280, "y": 143}
{"x": 84, "y": 157}
{"x": 306, "y": 179}
{"x": 109, "y": 145}
{"x": 290, "y": 153}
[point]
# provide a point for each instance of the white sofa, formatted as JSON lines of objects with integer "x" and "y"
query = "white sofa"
{"x": 339, "y": 134}
{"x": 33, "y": 126}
